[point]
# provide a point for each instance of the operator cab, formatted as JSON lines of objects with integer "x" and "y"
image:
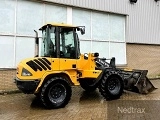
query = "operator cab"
{"x": 60, "y": 41}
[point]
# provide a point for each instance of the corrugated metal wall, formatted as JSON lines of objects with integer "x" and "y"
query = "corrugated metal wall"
{"x": 143, "y": 17}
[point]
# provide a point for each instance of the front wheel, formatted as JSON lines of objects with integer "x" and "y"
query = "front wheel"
{"x": 111, "y": 86}
{"x": 55, "y": 93}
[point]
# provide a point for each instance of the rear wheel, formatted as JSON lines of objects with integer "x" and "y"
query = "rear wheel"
{"x": 111, "y": 86}
{"x": 88, "y": 84}
{"x": 56, "y": 93}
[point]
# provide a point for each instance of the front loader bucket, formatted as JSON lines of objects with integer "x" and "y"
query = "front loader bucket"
{"x": 137, "y": 81}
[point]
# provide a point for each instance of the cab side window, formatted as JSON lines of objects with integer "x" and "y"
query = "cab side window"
{"x": 67, "y": 45}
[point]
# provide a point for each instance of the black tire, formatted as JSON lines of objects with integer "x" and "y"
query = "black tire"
{"x": 111, "y": 86}
{"x": 88, "y": 85}
{"x": 56, "y": 93}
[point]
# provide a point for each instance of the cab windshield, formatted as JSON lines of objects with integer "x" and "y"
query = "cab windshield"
{"x": 59, "y": 42}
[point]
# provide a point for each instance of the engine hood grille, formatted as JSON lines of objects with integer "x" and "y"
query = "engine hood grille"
{"x": 39, "y": 64}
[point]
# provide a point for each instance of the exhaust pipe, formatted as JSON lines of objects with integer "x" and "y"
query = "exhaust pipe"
{"x": 36, "y": 44}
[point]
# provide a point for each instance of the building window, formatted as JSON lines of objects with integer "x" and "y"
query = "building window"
{"x": 105, "y": 33}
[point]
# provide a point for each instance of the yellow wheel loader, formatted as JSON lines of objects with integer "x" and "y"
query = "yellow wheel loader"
{"x": 61, "y": 65}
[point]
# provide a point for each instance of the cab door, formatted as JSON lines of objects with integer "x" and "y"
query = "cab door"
{"x": 68, "y": 51}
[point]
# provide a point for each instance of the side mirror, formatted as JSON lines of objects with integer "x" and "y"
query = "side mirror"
{"x": 82, "y": 31}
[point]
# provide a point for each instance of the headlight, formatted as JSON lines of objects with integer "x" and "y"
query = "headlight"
{"x": 26, "y": 72}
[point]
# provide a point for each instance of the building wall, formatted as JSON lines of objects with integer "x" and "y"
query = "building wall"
{"x": 143, "y": 18}
{"x": 142, "y": 26}
{"x": 145, "y": 57}
{"x": 7, "y": 80}
{"x": 19, "y": 19}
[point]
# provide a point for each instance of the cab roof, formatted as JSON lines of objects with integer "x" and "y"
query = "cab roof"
{"x": 58, "y": 24}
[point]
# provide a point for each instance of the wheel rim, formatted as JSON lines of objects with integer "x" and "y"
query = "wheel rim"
{"x": 57, "y": 93}
{"x": 114, "y": 85}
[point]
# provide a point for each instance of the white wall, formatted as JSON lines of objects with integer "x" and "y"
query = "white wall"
{"x": 18, "y": 21}
{"x": 105, "y": 32}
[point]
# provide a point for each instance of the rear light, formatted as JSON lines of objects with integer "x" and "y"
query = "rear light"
{"x": 17, "y": 70}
